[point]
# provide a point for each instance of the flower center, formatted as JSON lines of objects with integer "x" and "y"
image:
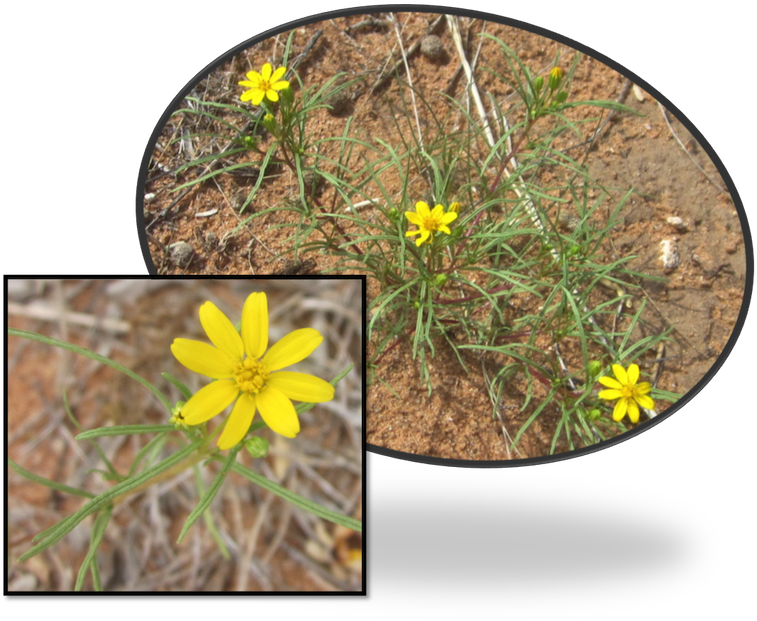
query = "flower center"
{"x": 627, "y": 392}
{"x": 251, "y": 375}
{"x": 431, "y": 224}
{"x": 264, "y": 85}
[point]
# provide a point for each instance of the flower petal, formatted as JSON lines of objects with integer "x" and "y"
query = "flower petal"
{"x": 645, "y": 401}
{"x": 272, "y": 95}
{"x": 221, "y": 331}
{"x": 425, "y": 234}
{"x": 610, "y": 395}
{"x": 610, "y": 382}
{"x": 239, "y": 422}
{"x": 620, "y": 410}
{"x": 255, "y": 324}
{"x": 411, "y": 233}
{"x": 444, "y": 229}
{"x": 294, "y": 347}
{"x": 209, "y": 401}
{"x": 254, "y": 76}
{"x": 278, "y": 74}
{"x": 266, "y": 71}
{"x": 620, "y": 373}
{"x": 278, "y": 412}
{"x": 203, "y": 358}
{"x": 414, "y": 218}
{"x": 280, "y": 86}
{"x": 301, "y": 386}
{"x": 422, "y": 209}
{"x": 633, "y": 411}
{"x": 633, "y": 374}
{"x": 448, "y": 217}
{"x": 643, "y": 389}
{"x": 437, "y": 212}
{"x": 257, "y": 96}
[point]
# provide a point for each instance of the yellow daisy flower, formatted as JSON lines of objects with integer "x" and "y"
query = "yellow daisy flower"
{"x": 243, "y": 374}
{"x": 428, "y": 221}
{"x": 629, "y": 394}
{"x": 264, "y": 84}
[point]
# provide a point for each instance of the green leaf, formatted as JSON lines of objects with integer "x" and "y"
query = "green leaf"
{"x": 47, "y": 482}
{"x": 123, "y": 430}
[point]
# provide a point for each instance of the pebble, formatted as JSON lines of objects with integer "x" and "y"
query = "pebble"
{"x": 181, "y": 253}
{"x": 669, "y": 257}
{"x": 677, "y": 223}
{"x": 432, "y": 48}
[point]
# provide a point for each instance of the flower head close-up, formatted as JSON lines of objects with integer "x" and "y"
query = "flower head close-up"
{"x": 248, "y": 375}
{"x": 429, "y": 221}
{"x": 627, "y": 392}
{"x": 264, "y": 85}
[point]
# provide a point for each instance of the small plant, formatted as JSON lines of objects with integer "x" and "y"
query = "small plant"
{"x": 515, "y": 276}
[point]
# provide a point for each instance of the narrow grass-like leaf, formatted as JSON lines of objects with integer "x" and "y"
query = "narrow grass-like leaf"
{"x": 67, "y": 525}
{"x": 33, "y": 336}
{"x": 90, "y": 561}
{"x": 209, "y": 495}
{"x": 47, "y": 482}
{"x": 123, "y": 430}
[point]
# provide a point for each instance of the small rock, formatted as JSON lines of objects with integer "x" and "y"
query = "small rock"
{"x": 677, "y": 223}
{"x": 568, "y": 221}
{"x": 339, "y": 102}
{"x": 669, "y": 257}
{"x": 432, "y": 48}
{"x": 181, "y": 254}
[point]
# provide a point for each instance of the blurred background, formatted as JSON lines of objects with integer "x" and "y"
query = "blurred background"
{"x": 273, "y": 546}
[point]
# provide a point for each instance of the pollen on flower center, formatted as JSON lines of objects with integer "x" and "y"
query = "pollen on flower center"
{"x": 251, "y": 375}
{"x": 431, "y": 224}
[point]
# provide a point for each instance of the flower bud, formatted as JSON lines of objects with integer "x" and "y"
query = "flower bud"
{"x": 561, "y": 97}
{"x": 269, "y": 122}
{"x": 538, "y": 85}
{"x": 440, "y": 280}
{"x": 594, "y": 369}
{"x": 555, "y": 77}
{"x": 455, "y": 207}
{"x": 257, "y": 447}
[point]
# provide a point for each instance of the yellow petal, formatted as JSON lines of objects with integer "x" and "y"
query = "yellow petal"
{"x": 437, "y": 212}
{"x": 610, "y": 382}
{"x": 272, "y": 95}
{"x": 620, "y": 373}
{"x": 448, "y": 217}
{"x": 278, "y": 74}
{"x": 255, "y": 324}
{"x": 620, "y": 410}
{"x": 414, "y": 218}
{"x": 633, "y": 411}
{"x": 425, "y": 234}
{"x": 301, "y": 386}
{"x": 266, "y": 71}
{"x": 422, "y": 209}
{"x": 278, "y": 412}
{"x": 253, "y": 76}
{"x": 280, "y": 86}
{"x": 643, "y": 388}
{"x": 633, "y": 374}
{"x": 239, "y": 422}
{"x": 221, "y": 331}
{"x": 411, "y": 233}
{"x": 444, "y": 229}
{"x": 645, "y": 401}
{"x": 610, "y": 395}
{"x": 203, "y": 358}
{"x": 294, "y": 347}
{"x": 209, "y": 401}
{"x": 257, "y": 96}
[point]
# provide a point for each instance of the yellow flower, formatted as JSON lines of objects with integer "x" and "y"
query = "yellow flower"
{"x": 264, "y": 84}
{"x": 428, "y": 221}
{"x": 629, "y": 394}
{"x": 243, "y": 374}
